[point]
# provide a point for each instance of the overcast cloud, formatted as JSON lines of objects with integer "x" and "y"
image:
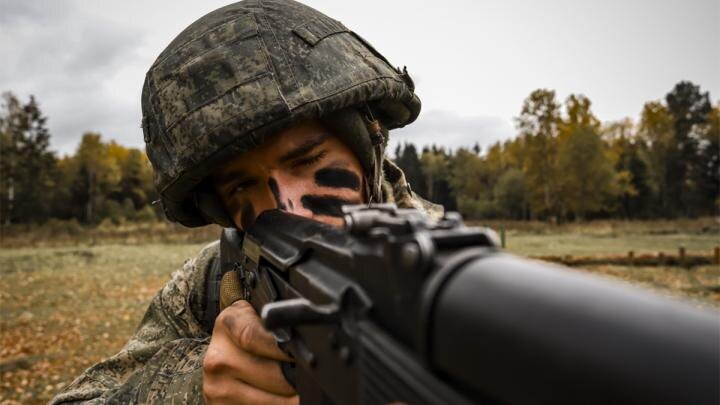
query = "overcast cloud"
{"x": 473, "y": 62}
{"x": 70, "y": 62}
{"x": 450, "y": 129}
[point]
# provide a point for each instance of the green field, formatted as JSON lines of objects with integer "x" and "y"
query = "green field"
{"x": 609, "y": 237}
{"x": 69, "y": 302}
{"x": 587, "y": 245}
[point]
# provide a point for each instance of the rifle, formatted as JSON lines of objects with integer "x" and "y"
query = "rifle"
{"x": 399, "y": 308}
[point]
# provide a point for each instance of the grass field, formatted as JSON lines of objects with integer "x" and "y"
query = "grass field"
{"x": 66, "y": 308}
{"x": 68, "y": 301}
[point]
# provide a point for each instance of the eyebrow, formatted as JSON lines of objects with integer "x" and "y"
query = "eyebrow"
{"x": 223, "y": 179}
{"x": 296, "y": 152}
{"x": 304, "y": 148}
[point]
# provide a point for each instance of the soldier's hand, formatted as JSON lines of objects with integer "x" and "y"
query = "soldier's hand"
{"x": 242, "y": 363}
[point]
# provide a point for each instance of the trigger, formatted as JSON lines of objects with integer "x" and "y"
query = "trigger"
{"x": 288, "y": 370}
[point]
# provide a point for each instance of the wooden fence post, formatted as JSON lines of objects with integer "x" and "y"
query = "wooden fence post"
{"x": 681, "y": 255}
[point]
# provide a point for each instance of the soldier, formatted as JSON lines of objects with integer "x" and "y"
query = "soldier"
{"x": 258, "y": 105}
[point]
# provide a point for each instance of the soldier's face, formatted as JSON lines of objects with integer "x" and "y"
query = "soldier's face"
{"x": 304, "y": 170}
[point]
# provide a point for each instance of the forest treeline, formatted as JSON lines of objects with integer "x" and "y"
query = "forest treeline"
{"x": 101, "y": 180}
{"x": 564, "y": 164}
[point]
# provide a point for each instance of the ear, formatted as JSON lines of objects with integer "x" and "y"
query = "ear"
{"x": 348, "y": 125}
{"x": 367, "y": 137}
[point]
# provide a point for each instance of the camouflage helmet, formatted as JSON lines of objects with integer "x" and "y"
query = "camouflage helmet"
{"x": 246, "y": 71}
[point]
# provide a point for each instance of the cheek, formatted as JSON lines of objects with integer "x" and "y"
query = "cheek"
{"x": 338, "y": 178}
{"x": 300, "y": 189}
{"x": 325, "y": 205}
{"x": 292, "y": 191}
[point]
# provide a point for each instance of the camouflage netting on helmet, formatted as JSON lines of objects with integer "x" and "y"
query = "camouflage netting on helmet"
{"x": 248, "y": 70}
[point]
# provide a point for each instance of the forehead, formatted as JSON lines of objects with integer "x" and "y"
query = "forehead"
{"x": 283, "y": 146}
{"x": 293, "y": 137}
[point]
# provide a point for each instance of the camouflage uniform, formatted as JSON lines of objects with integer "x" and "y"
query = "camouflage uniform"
{"x": 236, "y": 75}
{"x": 162, "y": 361}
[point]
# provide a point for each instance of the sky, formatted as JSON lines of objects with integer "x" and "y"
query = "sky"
{"x": 473, "y": 62}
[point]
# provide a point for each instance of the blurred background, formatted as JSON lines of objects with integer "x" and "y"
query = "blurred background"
{"x": 586, "y": 133}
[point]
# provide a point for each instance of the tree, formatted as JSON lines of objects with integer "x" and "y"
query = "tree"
{"x": 137, "y": 182}
{"x": 585, "y": 175}
{"x": 655, "y": 131}
{"x": 538, "y": 125}
{"x": 466, "y": 180}
{"x": 510, "y": 194}
{"x": 635, "y": 187}
{"x": 98, "y": 172}
{"x": 688, "y": 107}
{"x": 588, "y": 178}
{"x": 407, "y": 159}
{"x": 579, "y": 114}
{"x": 496, "y": 163}
{"x": 706, "y": 168}
{"x": 514, "y": 152}
{"x": 434, "y": 168}
{"x": 64, "y": 197}
{"x": 26, "y": 164}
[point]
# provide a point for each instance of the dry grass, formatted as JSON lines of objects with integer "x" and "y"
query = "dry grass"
{"x": 698, "y": 236}
{"x": 69, "y": 299}
{"x": 618, "y": 228}
{"x": 64, "y": 309}
{"x": 70, "y": 233}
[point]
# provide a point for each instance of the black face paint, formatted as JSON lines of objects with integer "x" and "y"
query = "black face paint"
{"x": 325, "y": 204}
{"x": 272, "y": 183}
{"x": 290, "y": 204}
{"x": 337, "y": 178}
{"x": 247, "y": 217}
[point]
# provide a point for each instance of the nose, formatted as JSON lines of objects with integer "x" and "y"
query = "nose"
{"x": 289, "y": 193}
{"x": 274, "y": 188}
{"x": 284, "y": 192}
{"x": 278, "y": 191}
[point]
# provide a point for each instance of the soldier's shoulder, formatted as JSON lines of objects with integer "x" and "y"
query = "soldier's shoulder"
{"x": 198, "y": 267}
{"x": 187, "y": 290}
{"x": 195, "y": 268}
{"x": 209, "y": 253}
{"x": 397, "y": 190}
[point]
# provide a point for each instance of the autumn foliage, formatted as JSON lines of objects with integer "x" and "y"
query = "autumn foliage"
{"x": 564, "y": 164}
{"x": 101, "y": 180}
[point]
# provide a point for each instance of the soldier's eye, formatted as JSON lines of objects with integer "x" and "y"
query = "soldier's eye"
{"x": 242, "y": 186}
{"x": 309, "y": 161}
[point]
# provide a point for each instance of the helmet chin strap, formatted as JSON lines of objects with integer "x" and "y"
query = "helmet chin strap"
{"x": 378, "y": 139}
